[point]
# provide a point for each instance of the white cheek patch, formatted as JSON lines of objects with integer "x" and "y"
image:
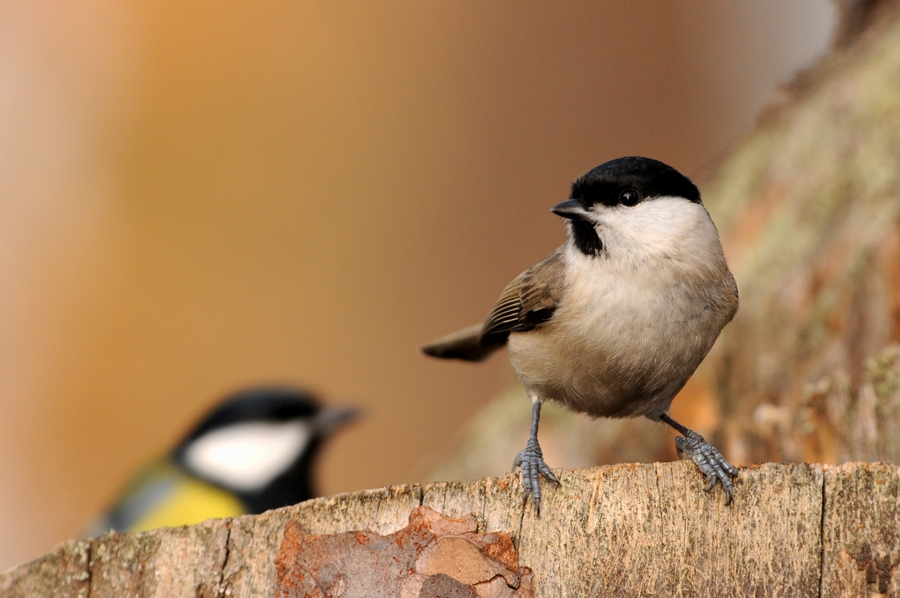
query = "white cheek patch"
{"x": 247, "y": 456}
{"x": 665, "y": 225}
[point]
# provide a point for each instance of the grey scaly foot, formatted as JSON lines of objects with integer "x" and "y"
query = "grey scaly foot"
{"x": 531, "y": 459}
{"x": 708, "y": 459}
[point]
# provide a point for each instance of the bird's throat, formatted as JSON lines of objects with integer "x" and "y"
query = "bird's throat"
{"x": 585, "y": 237}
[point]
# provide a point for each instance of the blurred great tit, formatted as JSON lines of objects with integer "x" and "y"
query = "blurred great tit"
{"x": 253, "y": 452}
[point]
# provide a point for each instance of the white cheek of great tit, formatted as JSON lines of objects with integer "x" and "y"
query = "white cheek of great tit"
{"x": 247, "y": 456}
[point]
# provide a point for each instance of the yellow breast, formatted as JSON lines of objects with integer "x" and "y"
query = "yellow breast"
{"x": 190, "y": 502}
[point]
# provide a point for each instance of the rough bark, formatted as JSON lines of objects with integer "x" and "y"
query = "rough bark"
{"x": 625, "y": 530}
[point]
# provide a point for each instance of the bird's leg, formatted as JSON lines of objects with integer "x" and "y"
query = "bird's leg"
{"x": 708, "y": 459}
{"x": 532, "y": 460}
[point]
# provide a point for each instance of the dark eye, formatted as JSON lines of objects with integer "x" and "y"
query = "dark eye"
{"x": 629, "y": 197}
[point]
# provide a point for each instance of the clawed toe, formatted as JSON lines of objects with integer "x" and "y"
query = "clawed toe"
{"x": 531, "y": 460}
{"x": 709, "y": 461}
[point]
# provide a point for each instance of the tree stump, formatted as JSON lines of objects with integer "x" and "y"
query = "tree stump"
{"x": 625, "y": 530}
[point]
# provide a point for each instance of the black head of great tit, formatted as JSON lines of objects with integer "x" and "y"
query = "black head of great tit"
{"x": 255, "y": 451}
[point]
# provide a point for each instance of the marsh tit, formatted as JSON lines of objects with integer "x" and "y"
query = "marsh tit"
{"x": 615, "y": 321}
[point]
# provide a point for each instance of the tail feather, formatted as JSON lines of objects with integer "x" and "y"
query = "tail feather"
{"x": 463, "y": 344}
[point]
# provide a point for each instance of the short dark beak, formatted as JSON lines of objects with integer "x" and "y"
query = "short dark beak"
{"x": 329, "y": 419}
{"x": 571, "y": 209}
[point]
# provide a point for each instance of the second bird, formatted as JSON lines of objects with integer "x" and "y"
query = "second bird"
{"x": 615, "y": 321}
{"x": 254, "y": 451}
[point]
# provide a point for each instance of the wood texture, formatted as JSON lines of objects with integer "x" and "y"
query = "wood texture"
{"x": 63, "y": 573}
{"x": 185, "y": 561}
{"x": 624, "y": 530}
{"x": 861, "y": 531}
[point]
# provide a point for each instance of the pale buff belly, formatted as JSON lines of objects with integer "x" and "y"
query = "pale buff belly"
{"x": 630, "y": 363}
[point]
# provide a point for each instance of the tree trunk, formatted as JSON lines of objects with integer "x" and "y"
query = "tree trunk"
{"x": 625, "y": 530}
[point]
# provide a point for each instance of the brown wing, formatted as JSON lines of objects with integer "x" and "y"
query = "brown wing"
{"x": 527, "y": 302}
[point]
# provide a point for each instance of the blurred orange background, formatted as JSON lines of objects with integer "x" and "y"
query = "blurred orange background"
{"x": 201, "y": 196}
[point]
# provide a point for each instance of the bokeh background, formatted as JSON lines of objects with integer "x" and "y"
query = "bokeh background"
{"x": 201, "y": 196}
